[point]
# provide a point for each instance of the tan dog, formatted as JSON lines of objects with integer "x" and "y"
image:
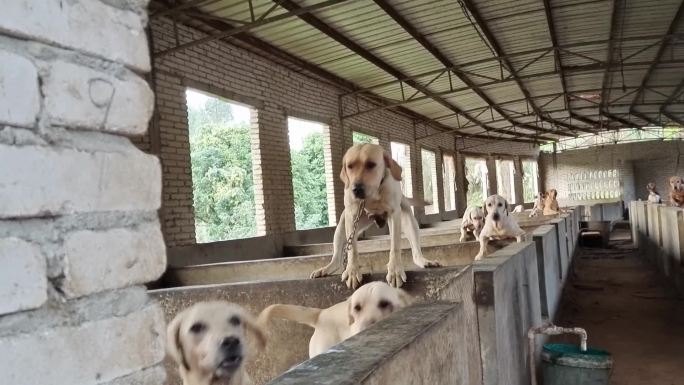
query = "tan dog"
{"x": 498, "y": 224}
{"x": 208, "y": 342}
{"x": 472, "y": 222}
{"x": 550, "y": 203}
{"x": 677, "y": 191}
{"x": 371, "y": 303}
{"x": 370, "y": 174}
{"x": 653, "y": 196}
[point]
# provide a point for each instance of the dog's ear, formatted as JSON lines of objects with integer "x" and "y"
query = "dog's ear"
{"x": 405, "y": 298}
{"x": 349, "y": 314}
{"x": 506, "y": 206}
{"x": 343, "y": 173}
{"x": 174, "y": 348}
{"x": 394, "y": 167}
{"x": 254, "y": 327}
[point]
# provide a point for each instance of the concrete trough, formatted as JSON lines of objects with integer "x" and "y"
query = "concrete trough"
{"x": 408, "y": 348}
{"x": 508, "y": 304}
{"x": 300, "y": 267}
{"x": 659, "y": 232}
{"x": 288, "y": 341}
{"x": 549, "y": 270}
{"x": 438, "y": 236}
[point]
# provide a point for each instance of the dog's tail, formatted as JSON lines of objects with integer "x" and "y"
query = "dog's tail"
{"x": 302, "y": 314}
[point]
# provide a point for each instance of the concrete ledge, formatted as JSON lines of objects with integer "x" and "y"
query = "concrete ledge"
{"x": 563, "y": 255}
{"x": 408, "y": 348}
{"x": 548, "y": 269}
{"x": 301, "y": 267}
{"x": 507, "y": 300}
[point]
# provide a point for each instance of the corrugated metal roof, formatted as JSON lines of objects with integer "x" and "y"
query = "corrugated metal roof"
{"x": 466, "y": 34}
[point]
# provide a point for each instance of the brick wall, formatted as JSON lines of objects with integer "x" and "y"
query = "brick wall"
{"x": 79, "y": 233}
{"x": 275, "y": 92}
{"x": 639, "y": 163}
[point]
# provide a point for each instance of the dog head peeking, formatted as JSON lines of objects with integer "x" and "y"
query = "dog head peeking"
{"x": 651, "y": 187}
{"x": 676, "y": 183}
{"x": 373, "y": 302}
{"x": 476, "y": 216}
{"x": 364, "y": 167}
{"x": 497, "y": 208}
{"x": 208, "y": 341}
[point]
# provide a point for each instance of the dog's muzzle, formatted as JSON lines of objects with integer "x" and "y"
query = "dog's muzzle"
{"x": 359, "y": 191}
{"x": 230, "y": 357}
{"x": 496, "y": 216}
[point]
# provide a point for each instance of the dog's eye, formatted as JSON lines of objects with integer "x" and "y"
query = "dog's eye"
{"x": 489, "y": 205}
{"x": 383, "y": 304}
{"x": 350, "y": 166}
{"x": 197, "y": 327}
{"x": 500, "y": 204}
{"x": 357, "y": 308}
{"x": 370, "y": 165}
{"x": 234, "y": 320}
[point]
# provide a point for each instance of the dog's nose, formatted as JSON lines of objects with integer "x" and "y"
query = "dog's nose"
{"x": 359, "y": 191}
{"x": 496, "y": 216}
{"x": 230, "y": 343}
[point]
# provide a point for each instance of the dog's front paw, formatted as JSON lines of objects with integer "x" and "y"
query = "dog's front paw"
{"x": 395, "y": 275}
{"x": 422, "y": 262}
{"x": 479, "y": 256}
{"x": 352, "y": 277}
{"x": 322, "y": 272}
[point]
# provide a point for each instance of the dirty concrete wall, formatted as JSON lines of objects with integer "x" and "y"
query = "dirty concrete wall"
{"x": 288, "y": 341}
{"x": 548, "y": 268}
{"x": 79, "y": 232}
{"x": 639, "y": 163}
{"x": 408, "y": 348}
{"x": 508, "y": 304}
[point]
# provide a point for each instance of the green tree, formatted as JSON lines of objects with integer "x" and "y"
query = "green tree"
{"x": 308, "y": 182}
{"x": 358, "y": 137}
{"x": 221, "y": 160}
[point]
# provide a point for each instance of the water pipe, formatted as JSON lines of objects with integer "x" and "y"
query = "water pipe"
{"x": 550, "y": 329}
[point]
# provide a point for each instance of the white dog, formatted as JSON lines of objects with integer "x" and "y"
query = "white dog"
{"x": 518, "y": 209}
{"x": 538, "y": 207}
{"x": 498, "y": 224}
{"x": 208, "y": 342}
{"x": 653, "y": 196}
{"x": 370, "y": 174}
{"x": 472, "y": 222}
{"x": 371, "y": 303}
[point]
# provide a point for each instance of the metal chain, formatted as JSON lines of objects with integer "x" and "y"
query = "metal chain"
{"x": 350, "y": 238}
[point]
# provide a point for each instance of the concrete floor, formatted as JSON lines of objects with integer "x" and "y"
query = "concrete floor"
{"x": 627, "y": 309}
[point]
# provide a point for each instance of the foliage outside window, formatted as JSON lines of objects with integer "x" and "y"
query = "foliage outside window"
{"x": 430, "y": 193}
{"x": 476, "y": 176}
{"x": 221, "y": 164}
{"x": 401, "y": 153}
{"x": 308, "y": 173}
{"x": 359, "y": 137}
{"x": 530, "y": 180}
{"x": 449, "y": 178}
{"x": 505, "y": 185}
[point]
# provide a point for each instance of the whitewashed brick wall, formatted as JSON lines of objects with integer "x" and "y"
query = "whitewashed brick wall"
{"x": 275, "y": 91}
{"x": 79, "y": 233}
{"x": 639, "y": 163}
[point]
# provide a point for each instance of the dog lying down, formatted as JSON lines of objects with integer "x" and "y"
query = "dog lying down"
{"x": 209, "y": 342}
{"x": 498, "y": 225}
{"x": 369, "y": 304}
